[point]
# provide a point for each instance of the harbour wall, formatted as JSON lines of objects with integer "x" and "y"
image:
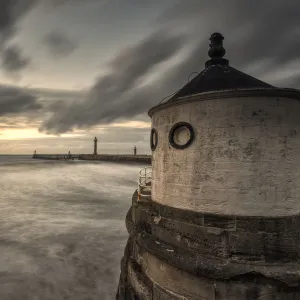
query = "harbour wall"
{"x": 55, "y": 156}
{"x": 145, "y": 159}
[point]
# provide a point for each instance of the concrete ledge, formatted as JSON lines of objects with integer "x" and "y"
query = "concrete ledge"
{"x": 137, "y": 279}
{"x": 239, "y": 238}
{"x": 285, "y": 275}
{"x": 150, "y": 277}
{"x": 267, "y": 224}
{"x": 188, "y": 254}
{"x": 155, "y": 268}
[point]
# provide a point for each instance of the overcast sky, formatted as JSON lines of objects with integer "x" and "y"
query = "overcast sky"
{"x": 73, "y": 69}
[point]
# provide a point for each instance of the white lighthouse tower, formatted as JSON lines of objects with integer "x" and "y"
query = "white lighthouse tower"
{"x": 223, "y": 219}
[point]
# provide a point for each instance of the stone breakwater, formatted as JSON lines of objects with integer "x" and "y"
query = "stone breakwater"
{"x": 178, "y": 254}
{"x": 55, "y": 156}
{"x": 145, "y": 159}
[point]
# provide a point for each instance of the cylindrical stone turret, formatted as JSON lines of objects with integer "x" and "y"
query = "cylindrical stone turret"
{"x": 95, "y": 146}
{"x": 228, "y": 151}
{"x": 223, "y": 220}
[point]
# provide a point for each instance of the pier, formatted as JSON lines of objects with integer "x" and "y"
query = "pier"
{"x": 56, "y": 156}
{"x": 126, "y": 158}
{"x": 145, "y": 159}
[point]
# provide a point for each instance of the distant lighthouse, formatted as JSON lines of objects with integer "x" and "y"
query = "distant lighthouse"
{"x": 223, "y": 218}
{"x": 95, "y": 146}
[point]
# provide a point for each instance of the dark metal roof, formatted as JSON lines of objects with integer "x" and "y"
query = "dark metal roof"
{"x": 218, "y": 75}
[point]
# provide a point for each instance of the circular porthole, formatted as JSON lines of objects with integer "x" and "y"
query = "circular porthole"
{"x": 181, "y": 135}
{"x": 153, "y": 139}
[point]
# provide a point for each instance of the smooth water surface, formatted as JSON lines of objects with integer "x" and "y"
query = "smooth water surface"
{"x": 62, "y": 227}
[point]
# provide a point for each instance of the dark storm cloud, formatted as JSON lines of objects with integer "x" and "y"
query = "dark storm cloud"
{"x": 12, "y": 59}
{"x": 268, "y": 32}
{"x": 267, "y": 36}
{"x": 11, "y": 13}
{"x": 110, "y": 97}
{"x": 59, "y": 44}
{"x": 15, "y": 101}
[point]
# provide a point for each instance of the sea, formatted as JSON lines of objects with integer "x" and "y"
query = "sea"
{"x": 62, "y": 227}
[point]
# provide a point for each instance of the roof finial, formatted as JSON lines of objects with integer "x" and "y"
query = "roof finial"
{"x": 216, "y": 51}
{"x": 216, "y": 46}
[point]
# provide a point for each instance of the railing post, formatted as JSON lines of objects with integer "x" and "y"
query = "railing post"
{"x": 143, "y": 181}
{"x": 139, "y": 190}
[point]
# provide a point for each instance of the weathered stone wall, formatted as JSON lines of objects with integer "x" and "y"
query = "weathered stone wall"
{"x": 170, "y": 259}
{"x": 154, "y": 279}
{"x": 254, "y": 239}
{"x": 245, "y": 158}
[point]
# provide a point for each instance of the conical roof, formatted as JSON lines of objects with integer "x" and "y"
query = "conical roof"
{"x": 218, "y": 75}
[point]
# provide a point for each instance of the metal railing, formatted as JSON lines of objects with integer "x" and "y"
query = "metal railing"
{"x": 144, "y": 183}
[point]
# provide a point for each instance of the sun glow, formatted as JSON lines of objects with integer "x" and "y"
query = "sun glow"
{"x": 132, "y": 124}
{"x": 29, "y": 133}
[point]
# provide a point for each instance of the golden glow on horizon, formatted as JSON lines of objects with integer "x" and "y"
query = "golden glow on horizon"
{"x": 132, "y": 124}
{"x": 29, "y": 133}
{"x": 33, "y": 133}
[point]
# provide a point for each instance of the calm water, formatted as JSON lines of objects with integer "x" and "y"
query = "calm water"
{"x": 62, "y": 230}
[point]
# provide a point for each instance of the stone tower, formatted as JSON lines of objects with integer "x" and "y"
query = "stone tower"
{"x": 223, "y": 219}
{"x": 95, "y": 146}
